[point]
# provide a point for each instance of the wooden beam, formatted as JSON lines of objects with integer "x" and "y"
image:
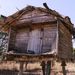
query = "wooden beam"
{"x": 63, "y": 64}
{"x": 29, "y": 57}
{"x": 21, "y": 68}
{"x": 46, "y": 67}
{"x": 48, "y": 70}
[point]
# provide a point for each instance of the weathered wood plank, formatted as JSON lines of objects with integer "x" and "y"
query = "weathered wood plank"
{"x": 65, "y": 42}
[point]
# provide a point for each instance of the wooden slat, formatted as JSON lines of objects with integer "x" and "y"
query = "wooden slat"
{"x": 65, "y": 42}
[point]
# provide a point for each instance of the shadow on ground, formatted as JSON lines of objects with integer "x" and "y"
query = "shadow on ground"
{"x": 15, "y": 72}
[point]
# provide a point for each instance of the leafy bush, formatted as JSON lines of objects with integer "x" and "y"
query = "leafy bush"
{"x": 3, "y": 41}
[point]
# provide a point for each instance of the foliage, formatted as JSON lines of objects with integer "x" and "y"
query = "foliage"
{"x": 73, "y": 49}
{"x": 3, "y": 40}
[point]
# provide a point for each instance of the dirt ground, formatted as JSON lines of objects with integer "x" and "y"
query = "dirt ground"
{"x": 12, "y": 68}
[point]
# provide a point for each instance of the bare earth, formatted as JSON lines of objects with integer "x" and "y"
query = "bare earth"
{"x": 12, "y": 68}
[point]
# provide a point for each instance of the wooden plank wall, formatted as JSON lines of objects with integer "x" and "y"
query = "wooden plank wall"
{"x": 12, "y": 35}
{"x": 19, "y": 38}
{"x": 36, "y": 16}
{"x": 65, "y": 42}
{"x": 49, "y": 39}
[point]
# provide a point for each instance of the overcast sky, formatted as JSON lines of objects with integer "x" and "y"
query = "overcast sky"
{"x": 64, "y": 7}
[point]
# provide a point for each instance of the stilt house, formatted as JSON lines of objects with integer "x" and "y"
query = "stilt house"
{"x": 36, "y": 31}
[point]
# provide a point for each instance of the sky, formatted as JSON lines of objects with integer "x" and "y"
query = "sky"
{"x": 64, "y": 7}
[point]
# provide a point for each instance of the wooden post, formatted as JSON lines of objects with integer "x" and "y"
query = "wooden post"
{"x": 26, "y": 66}
{"x": 63, "y": 67}
{"x": 43, "y": 67}
{"x": 21, "y": 68}
{"x": 48, "y": 69}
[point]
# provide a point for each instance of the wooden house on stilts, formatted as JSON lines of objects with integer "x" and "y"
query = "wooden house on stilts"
{"x": 38, "y": 34}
